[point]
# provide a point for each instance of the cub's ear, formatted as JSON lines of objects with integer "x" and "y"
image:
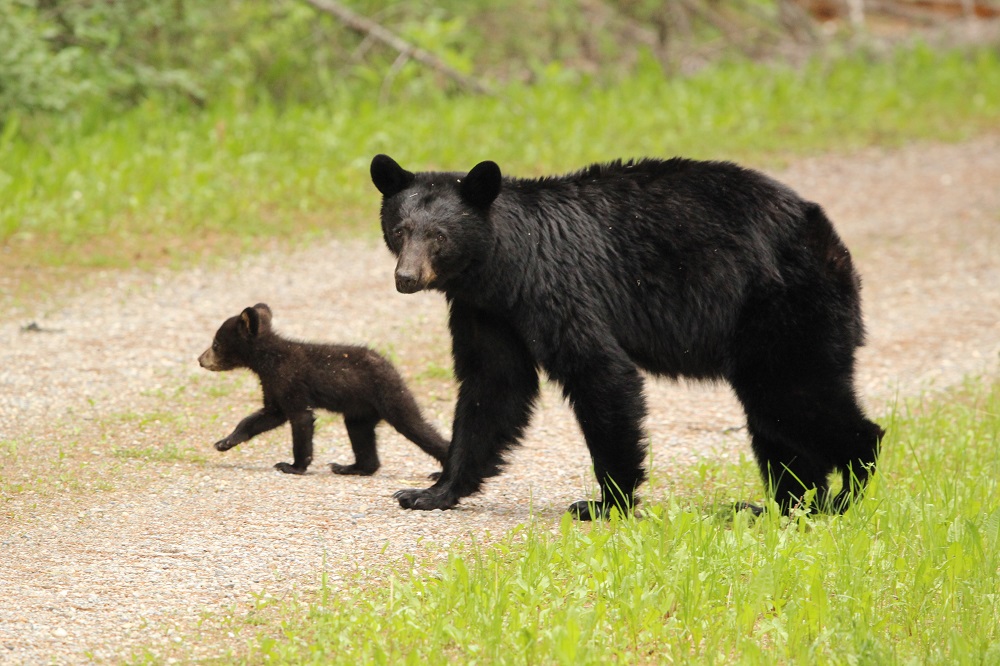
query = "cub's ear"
{"x": 389, "y": 177}
{"x": 264, "y": 312}
{"x": 251, "y": 321}
{"x": 482, "y": 185}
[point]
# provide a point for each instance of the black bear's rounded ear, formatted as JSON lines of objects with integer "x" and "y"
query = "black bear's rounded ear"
{"x": 251, "y": 321}
{"x": 264, "y": 312}
{"x": 482, "y": 185}
{"x": 389, "y": 177}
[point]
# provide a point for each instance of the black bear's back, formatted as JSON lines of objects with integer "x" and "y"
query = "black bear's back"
{"x": 663, "y": 256}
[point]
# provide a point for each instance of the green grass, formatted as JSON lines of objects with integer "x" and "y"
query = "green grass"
{"x": 159, "y": 185}
{"x": 910, "y": 575}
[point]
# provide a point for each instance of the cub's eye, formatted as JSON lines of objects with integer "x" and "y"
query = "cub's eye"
{"x": 397, "y": 232}
{"x": 440, "y": 238}
{"x": 215, "y": 345}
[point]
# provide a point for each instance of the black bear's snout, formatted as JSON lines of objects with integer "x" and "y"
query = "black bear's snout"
{"x": 414, "y": 270}
{"x": 407, "y": 284}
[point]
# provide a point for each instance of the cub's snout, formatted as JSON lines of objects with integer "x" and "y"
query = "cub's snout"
{"x": 208, "y": 360}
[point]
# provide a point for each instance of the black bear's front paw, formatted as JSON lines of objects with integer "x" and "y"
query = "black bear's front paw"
{"x": 588, "y": 510}
{"x": 288, "y": 468}
{"x": 425, "y": 500}
{"x": 594, "y": 510}
{"x": 434, "y": 476}
{"x": 224, "y": 444}
{"x": 354, "y": 470}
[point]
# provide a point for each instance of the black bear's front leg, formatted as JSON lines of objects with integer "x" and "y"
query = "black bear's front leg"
{"x": 302, "y": 443}
{"x": 498, "y": 387}
{"x": 605, "y": 390}
{"x": 260, "y": 421}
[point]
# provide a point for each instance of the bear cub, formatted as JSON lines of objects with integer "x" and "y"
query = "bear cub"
{"x": 297, "y": 377}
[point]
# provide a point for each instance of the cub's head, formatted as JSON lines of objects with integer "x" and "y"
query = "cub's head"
{"x": 233, "y": 345}
{"x": 437, "y": 224}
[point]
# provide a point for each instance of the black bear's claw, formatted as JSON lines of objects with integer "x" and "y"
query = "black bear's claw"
{"x": 288, "y": 468}
{"x": 424, "y": 499}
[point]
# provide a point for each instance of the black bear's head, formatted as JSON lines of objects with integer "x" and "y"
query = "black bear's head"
{"x": 437, "y": 224}
{"x": 235, "y": 341}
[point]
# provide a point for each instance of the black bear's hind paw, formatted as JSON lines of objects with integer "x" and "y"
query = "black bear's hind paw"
{"x": 288, "y": 468}
{"x": 352, "y": 470}
{"x": 434, "y": 476}
{"x": 424, "y": 499}
{"x": 755, "y": 509}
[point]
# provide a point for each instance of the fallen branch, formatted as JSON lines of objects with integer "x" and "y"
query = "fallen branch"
{"x": 373, "y": 30}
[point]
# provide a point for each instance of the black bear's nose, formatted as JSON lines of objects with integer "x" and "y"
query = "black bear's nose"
{"x": 406, "y": 283}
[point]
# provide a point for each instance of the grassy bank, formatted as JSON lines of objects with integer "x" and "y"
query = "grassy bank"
{"x": 907, "y": 576}
{"x": 160, "y": 185}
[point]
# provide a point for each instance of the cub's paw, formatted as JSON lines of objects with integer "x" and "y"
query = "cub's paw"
{"x": 288, "y": 468}
{"x": 224, "y": 444}
{"x": 353, "y": 470}
{"x": 425, "y": 500}
{"x": 434, "y": 476}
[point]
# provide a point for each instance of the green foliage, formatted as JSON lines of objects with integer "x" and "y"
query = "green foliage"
{"x": 32, "y": 76}
{"x": 92, "y": 190}
{"x": 910, "y": 575}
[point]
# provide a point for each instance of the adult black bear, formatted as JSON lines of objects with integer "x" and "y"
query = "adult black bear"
{"x": 297, "y": 377}
{"x": 681, "y": 268}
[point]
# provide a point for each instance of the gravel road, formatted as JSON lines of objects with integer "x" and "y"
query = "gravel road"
{"x": 121, "y": 525}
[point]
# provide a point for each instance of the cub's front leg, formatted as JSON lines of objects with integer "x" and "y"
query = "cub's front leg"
{"x": 260, "y": 421}
{"x": 303, "y": 424}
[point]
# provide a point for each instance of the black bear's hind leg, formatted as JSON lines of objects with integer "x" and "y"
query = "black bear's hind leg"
{"x": 813, "y": 429}
{"x": 787, "y": 474}
{"x": 361, "y": 432}
{"x": 855, "y": 472}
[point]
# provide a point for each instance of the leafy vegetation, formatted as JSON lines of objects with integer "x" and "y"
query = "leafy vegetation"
{"x": 152, "y": 185}
{"x": 907, "y": 576}
{"x": 67, "y": 56}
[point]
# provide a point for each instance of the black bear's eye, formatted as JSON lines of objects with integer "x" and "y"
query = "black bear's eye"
{"x": 398, "y": 233}
{"x": 440, "y": 238}
{"x": 215, "y": 345}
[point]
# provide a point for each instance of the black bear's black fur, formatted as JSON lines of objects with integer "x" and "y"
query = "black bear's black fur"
{"x": 680, "y": 268}
{"x": 297, "y": 377}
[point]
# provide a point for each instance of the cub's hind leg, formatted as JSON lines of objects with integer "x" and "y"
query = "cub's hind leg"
{"x": 361, "y": 431}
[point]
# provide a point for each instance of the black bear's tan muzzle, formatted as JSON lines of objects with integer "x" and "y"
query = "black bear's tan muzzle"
{"x": 413, "y": 270}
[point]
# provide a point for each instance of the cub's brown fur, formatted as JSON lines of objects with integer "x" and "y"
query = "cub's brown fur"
{"x": 297, "y": 377}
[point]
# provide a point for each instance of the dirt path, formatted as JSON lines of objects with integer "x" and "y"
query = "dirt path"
{"x": 120, "y": 525}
